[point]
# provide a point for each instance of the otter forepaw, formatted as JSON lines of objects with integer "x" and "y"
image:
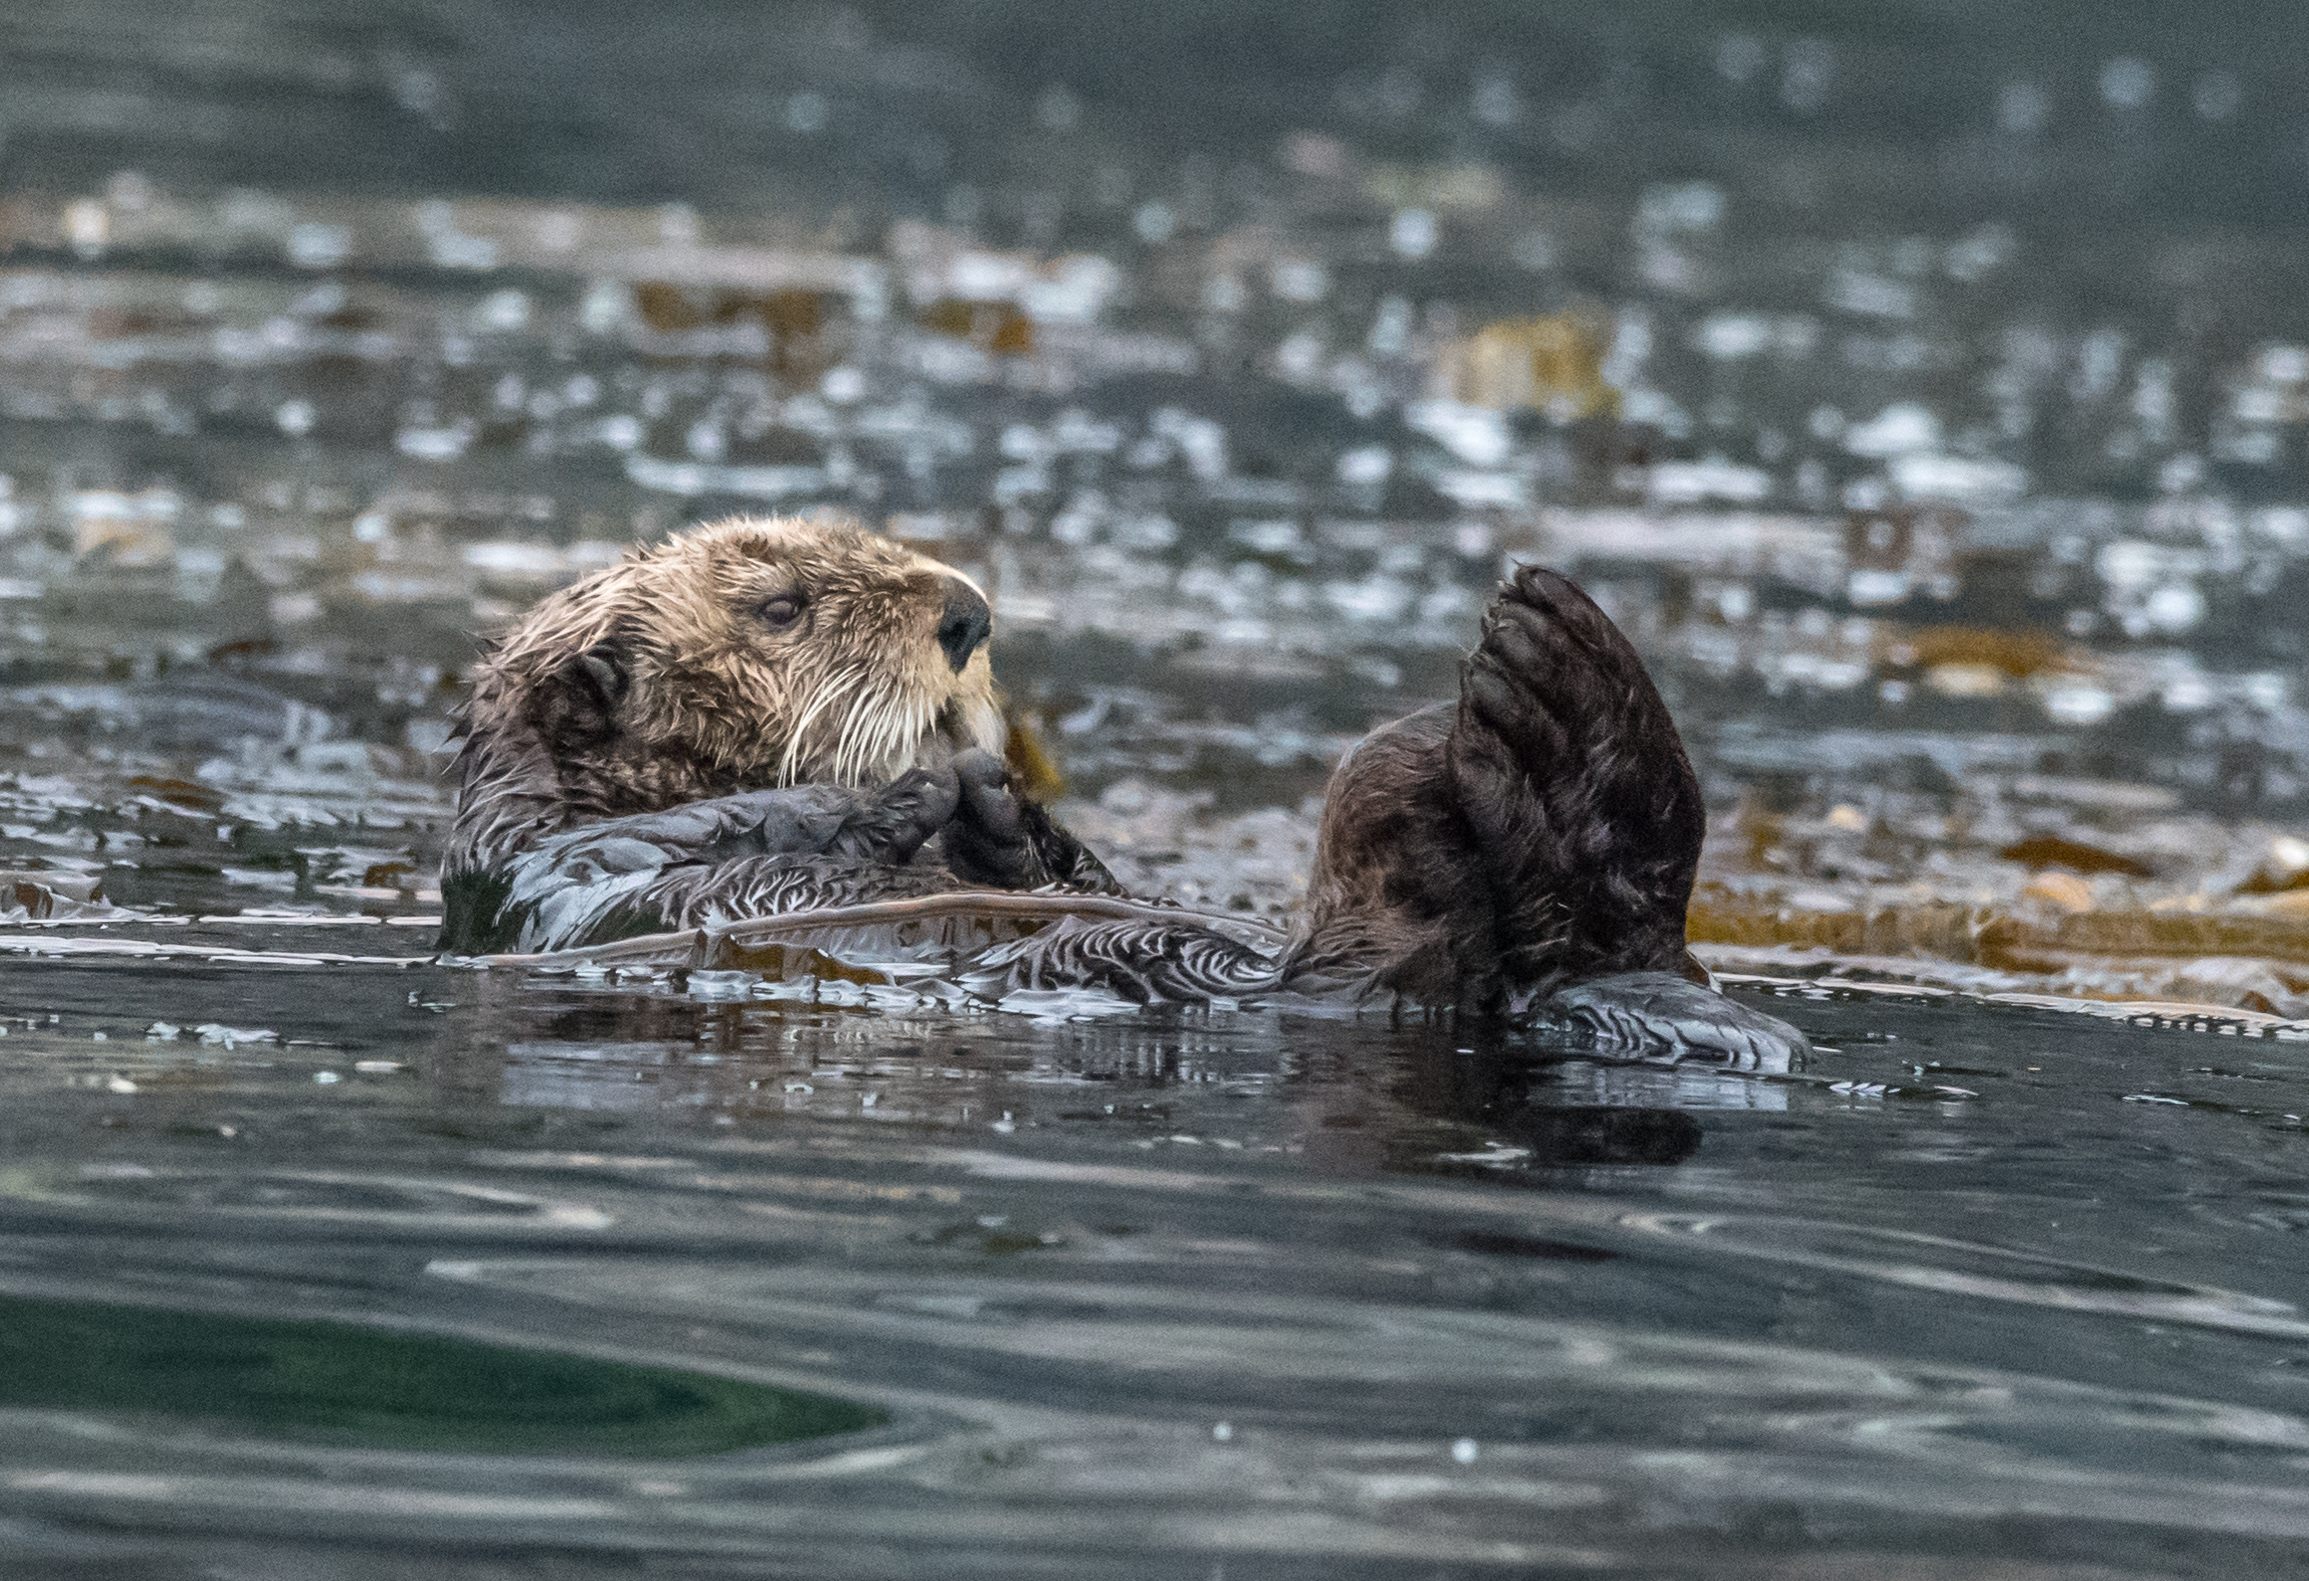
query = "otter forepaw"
{"x": 1006, "y": 841}
{"x": 897, "y": 820}
{"x": 991, "y": 840}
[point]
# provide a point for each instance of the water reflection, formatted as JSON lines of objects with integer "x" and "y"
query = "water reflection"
{"x": 1363, "y": 1095}
{"x": 1221, "y": 1281}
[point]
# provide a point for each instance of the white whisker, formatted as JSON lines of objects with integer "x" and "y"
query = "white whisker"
{"x": 850, "y": 759}
{"x": 876, "y": 727}
{"x": 828, "y": 691}
{"x": 874, "y": 748}
{"x": 845, "y": 740}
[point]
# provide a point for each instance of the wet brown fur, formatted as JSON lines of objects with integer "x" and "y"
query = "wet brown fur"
{"x": 657, "y": 682}
{"x": 1542, "y": 831}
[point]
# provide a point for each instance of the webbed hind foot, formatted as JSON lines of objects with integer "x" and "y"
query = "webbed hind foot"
{"x": 1571, "y": 778}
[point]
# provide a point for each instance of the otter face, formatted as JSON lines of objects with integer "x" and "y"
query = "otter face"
{"x": 758, "y": 653}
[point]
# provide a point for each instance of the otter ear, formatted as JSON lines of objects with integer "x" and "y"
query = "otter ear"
{"x": 607, "y": 676}
{"x": 576, "y": 705}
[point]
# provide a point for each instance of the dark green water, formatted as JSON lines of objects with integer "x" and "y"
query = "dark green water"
{"x": 1978, "y": 1285}
{"x": 362, "y": 1388}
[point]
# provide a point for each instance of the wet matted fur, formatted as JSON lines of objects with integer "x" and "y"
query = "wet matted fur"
{"x": 738, "y": 658}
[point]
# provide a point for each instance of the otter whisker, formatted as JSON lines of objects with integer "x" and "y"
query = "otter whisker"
{"x": 856, "y": 726}
{"x": 829, "y": 691}
{"x": 879, "y": 735}
{"x": 897, "y": 731}
{"x": 788, "y": 762}
{"x": 849, "y": 764}
{"x": 901, "y": 735}
{"x": 921, "y": 718}
{"x": 890, "y": 724}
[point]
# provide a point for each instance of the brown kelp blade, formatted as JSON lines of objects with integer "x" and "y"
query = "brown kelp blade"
{"x": 934, "y": 930}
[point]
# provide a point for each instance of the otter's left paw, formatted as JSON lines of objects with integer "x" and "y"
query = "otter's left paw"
{"x": 894, "y": 822}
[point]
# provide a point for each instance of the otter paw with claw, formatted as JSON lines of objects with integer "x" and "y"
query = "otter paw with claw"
{"x": 897, "y": 820}
{"x": 991, "y": 840}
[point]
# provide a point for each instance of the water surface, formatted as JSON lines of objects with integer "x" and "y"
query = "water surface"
{"x": 1314, "y": 1298}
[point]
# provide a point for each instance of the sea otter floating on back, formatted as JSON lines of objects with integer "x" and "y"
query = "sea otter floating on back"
{"x": 768, "y": 718}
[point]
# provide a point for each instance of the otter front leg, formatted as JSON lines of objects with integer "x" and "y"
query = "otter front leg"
{"x": 1002, "y": 840}
{"x": 888, "y": 823}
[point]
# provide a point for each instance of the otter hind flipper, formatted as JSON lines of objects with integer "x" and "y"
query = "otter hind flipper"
{"x": 1565, "y": 764}
{"x": 1543, "y": 829}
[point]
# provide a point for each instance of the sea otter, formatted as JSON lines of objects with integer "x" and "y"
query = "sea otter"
{"x": 762, "y": 716}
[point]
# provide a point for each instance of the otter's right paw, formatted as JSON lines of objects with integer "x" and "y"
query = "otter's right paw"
{"x": 893, "y": 823}
{"x": 990, "y": 840}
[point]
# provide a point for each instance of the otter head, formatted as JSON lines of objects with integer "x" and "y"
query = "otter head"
{"x": 749, "y": 654}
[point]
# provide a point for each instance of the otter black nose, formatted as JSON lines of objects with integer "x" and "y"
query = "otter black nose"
{"x": 964, "y": 625}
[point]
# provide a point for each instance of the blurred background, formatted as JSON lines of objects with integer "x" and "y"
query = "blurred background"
{"x": 1923, "y": 386}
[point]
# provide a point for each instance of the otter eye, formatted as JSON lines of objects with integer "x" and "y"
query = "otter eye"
{"x": 782, "y": 611}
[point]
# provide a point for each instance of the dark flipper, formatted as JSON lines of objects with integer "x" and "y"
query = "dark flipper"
{"x": 1544, "y": 830}
{"x": 1570, "y": 775}
{"x": 1575, "y": 786}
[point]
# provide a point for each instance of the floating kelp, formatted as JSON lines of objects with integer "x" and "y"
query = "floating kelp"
{"x": 824, "y": 941}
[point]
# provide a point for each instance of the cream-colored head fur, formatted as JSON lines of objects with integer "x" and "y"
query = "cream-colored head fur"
{"x": 767, "y": 652}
